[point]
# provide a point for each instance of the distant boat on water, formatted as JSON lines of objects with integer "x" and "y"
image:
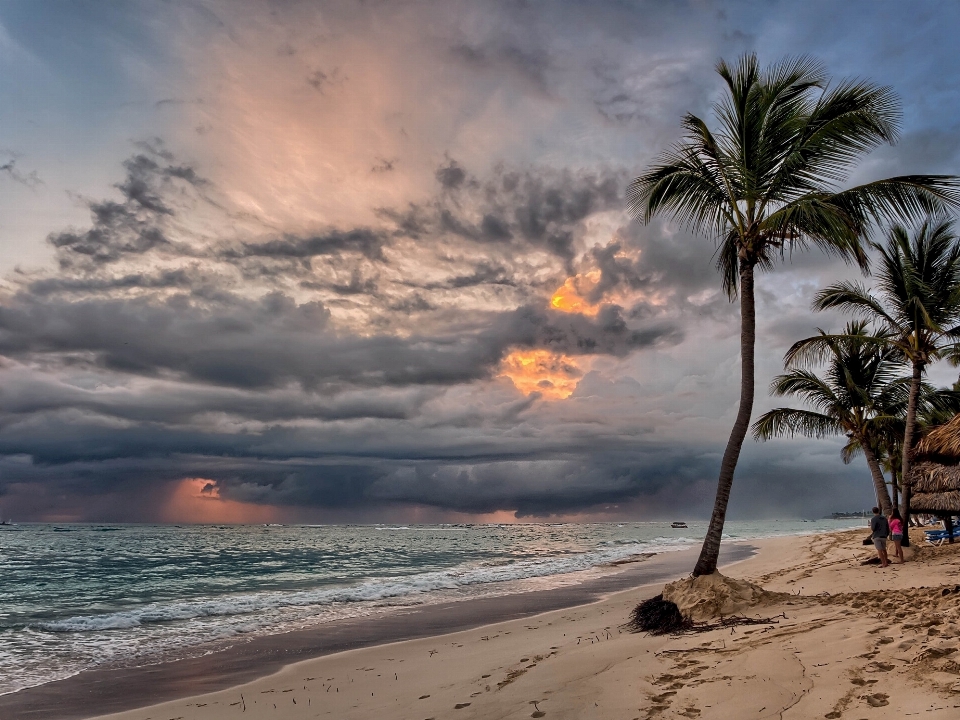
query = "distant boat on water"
{"x": 679, "y": 525}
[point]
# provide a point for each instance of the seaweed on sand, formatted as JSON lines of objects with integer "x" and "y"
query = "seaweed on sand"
{"x": 657, "y": 617}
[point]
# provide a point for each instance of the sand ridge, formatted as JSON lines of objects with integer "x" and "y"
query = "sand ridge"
{"x": 845, "y": 641}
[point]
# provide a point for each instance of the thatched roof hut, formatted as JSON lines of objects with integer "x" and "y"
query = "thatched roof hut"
{"x": 935, "y": 488}
{"x": 935, "y": 476}
{"x": 941, "y": 445}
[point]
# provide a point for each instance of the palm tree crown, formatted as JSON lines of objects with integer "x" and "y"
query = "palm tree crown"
{"x": 766, "y": 182}
{"x": 860, "y": 395}
{"x": 918, "y": 284}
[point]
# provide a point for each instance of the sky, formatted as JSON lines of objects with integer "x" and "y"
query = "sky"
{"x": 278, "y": 261}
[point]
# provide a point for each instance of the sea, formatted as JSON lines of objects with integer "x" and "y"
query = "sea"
{"x": 80, "y": 596}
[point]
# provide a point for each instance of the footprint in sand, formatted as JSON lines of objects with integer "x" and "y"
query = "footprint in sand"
{"x": 461, "y": 706}
{"x": 663, "y": 696}
{"x": 877, "y": 700}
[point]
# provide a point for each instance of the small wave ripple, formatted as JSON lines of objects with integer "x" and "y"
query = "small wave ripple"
{"x": 364, "y": 592}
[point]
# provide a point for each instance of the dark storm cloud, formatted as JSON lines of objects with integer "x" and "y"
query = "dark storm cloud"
{"x": 273, "y": 341}
{"x": 574, "y": 334}
{"x": 170, "y": 404}
{"x": 286, "y": 468}
{"x": 159, "y": 352}
{"x": 357, "y": 285}
{"x": 366, "y": 242}
{"x": 533, "y": 207}
{"x": 137, "y": 224}
{"x": 484, "y": 274}
{"x": 451, "y": 175}
{"x": 616, "y": 271}
{"x": 179, "y": 279}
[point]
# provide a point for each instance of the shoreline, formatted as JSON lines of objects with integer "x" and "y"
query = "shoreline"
{"x": 829, "y": 636}
{"x": 96, "y": 692}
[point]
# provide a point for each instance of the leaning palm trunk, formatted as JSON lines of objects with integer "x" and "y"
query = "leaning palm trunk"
{"x": 879, "y": 484}
{"x": 908, "y": 447}
{"x": 707, "y": 562}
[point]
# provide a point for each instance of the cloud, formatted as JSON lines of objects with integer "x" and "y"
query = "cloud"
{"x": 319, "y": 289}
{"x": 30, "y": 179}
{"x": 138, "y": 223}
{"x": 368, "y": 243}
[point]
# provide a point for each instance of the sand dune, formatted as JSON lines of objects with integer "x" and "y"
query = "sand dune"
{"x": 845, "y": 641}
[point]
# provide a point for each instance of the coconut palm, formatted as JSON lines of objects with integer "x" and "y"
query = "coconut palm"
{"x": 890, "y": 454}
{"x": 767, "y": 183}
{"x": 859, "y": 395}
{"x": 934, "y": 407}
{"x": 918, "y": 303}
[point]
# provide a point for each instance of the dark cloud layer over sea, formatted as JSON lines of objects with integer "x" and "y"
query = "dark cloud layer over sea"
{"x": 360, "y": 266}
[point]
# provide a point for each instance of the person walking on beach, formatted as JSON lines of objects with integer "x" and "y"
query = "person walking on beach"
{"x": 880, "y": 531}
{"x": 896, "y": 533}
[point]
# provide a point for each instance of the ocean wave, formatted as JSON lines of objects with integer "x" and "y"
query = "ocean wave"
{"x": 372, "y": 590}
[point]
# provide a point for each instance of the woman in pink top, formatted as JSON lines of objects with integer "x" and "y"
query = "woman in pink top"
{"x": 896, "y": 533}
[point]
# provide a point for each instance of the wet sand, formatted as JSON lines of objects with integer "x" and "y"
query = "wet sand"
{"x": 832, "y": 638}
{"x": 97, "y": 692}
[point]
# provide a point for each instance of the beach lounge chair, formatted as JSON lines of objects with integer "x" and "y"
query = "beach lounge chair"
{"x": 937, "y": 537}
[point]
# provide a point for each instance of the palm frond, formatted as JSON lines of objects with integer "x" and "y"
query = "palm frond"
{"x": 791, "y": 421}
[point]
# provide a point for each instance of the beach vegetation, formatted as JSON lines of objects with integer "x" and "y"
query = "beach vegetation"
{"x": 860, "y": 395}
{"x": 916, "y": 299}
{"x": 767, "y": 182}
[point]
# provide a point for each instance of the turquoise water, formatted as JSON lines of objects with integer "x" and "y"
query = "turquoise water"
{"x": 80, "y": 596}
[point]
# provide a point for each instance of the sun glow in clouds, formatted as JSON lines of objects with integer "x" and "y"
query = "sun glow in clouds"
{"x": 569, "y": 296}
{"x": 197, "y": 500}
{"x": 553, "y": 375}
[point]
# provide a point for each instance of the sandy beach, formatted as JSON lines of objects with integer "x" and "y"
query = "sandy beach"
{"x": 845, "y": 640}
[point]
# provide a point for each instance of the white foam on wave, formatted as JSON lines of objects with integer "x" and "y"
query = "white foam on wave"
{"x": 367, "y": 591}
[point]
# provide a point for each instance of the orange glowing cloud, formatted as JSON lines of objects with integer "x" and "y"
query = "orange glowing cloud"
{"x": 197, "y": 500}
{"x": 569, "y": 296}
{"x": 553, "y": 375}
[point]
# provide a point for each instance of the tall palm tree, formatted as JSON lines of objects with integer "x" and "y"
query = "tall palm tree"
{"x": 859, "y": 395}
{"x": 766, "y": 183}
{"x": 918, "y": 302}
{"x": 890, "y": 454}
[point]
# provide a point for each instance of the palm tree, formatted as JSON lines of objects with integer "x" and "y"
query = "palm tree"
{"x": 858, "y": 396}
{"x": 890, "y": 454}
{"x": 766, "y": 183}
{"x": 918, "y": 284}
{"x": 934, "y": 407}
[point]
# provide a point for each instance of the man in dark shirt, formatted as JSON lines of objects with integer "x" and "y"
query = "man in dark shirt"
{"x": 880, "y": 531}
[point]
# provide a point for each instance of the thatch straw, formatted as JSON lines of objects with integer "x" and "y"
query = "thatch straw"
{"x": 932, "y": 477}
{"x": 942, "y": 444}
{"x": 936, "y": 487}
{"x": 934, "y": 503}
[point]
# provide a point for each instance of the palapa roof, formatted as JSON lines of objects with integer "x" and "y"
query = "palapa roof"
{"x": 935, "y": 488}
{"x": 935, "y": 476}
{"x": 942, "y": 444}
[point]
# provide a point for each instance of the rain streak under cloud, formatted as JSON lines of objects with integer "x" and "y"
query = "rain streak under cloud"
{"x": 271, "y": 261}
